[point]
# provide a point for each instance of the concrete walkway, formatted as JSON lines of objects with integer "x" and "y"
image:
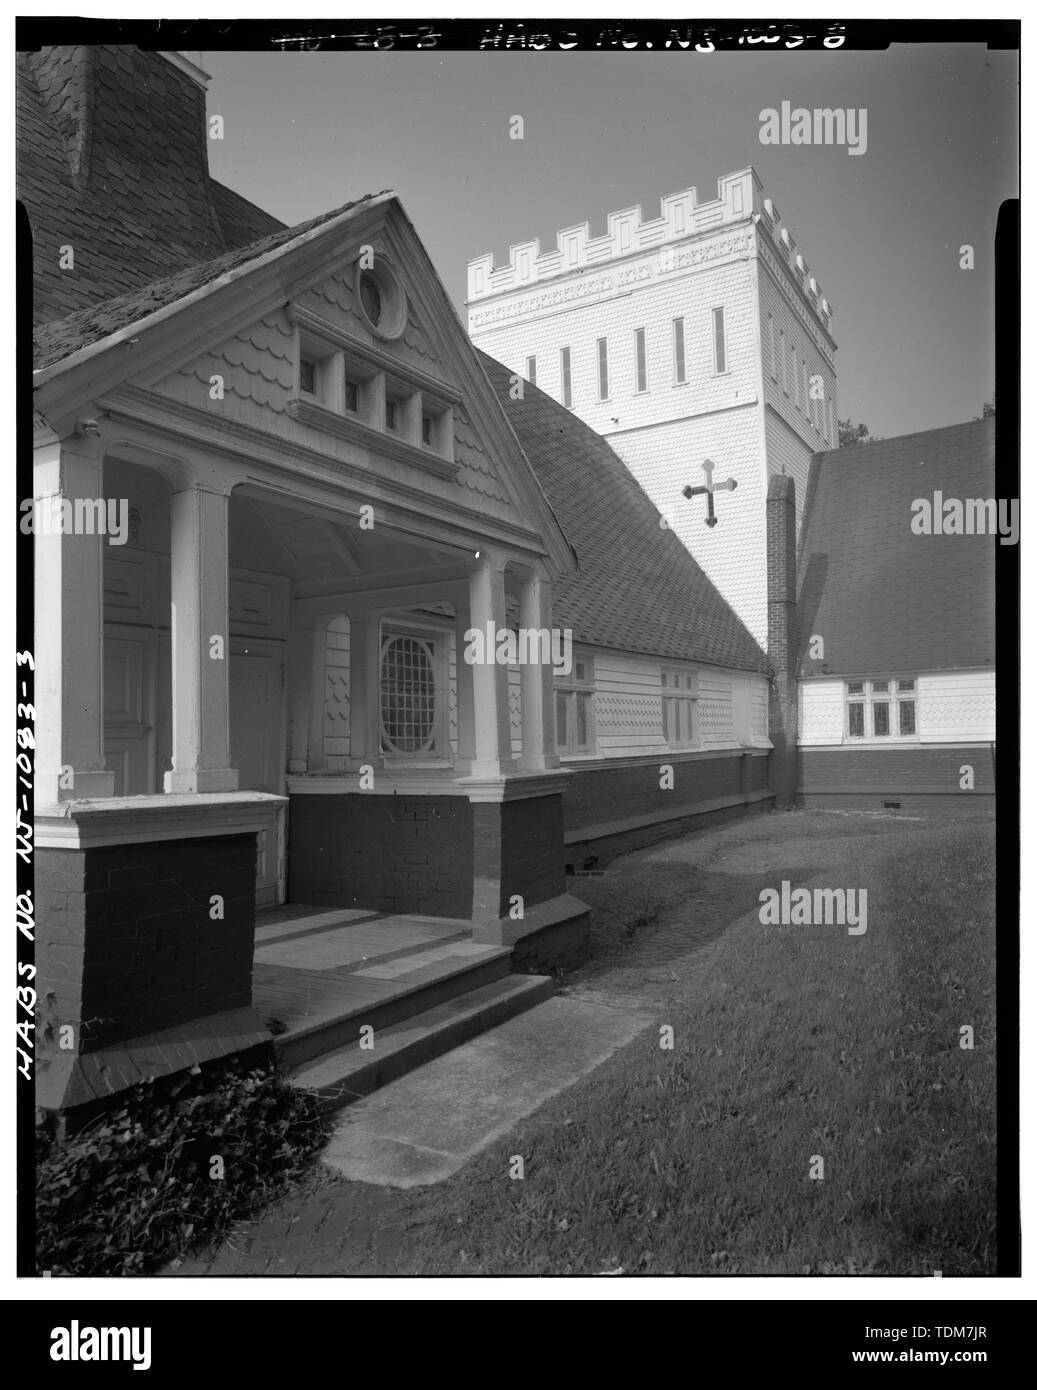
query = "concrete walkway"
{"x": 425, "y": 1126}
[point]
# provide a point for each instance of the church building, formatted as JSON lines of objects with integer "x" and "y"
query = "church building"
{"x": 699, "y": 344}
{"x": 358, "y": 637}
{"x": 277, "y": 494}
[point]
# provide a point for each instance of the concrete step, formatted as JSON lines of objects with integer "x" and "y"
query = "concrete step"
{"x": 416, "y": 991}
{"x": 352, "y": 1072}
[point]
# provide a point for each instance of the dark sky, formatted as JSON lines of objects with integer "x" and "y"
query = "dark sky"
{"x": 305, "y": 132}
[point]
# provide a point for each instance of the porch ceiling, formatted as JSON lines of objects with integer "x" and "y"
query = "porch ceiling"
{"x": 320, "y": 552}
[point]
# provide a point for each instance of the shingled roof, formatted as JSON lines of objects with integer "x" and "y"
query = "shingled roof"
{"x": 637, "y": 588}
{"x": 62, "y": 337}
{"x": 113, "y": 162}
{"x": 883, "y": 598}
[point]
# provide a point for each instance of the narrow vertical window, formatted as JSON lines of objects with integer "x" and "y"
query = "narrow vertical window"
{"x": 603, "y": 369}
{"x": 774, "y": 357}
{"x": 640, "y": 361}
{"x": 799, "y": 379}
{"x": 719, "y": 342}
{"x": 679, "y": 370}
{"x": 531, "y": 370}
{"x": 308, "y": 376}
{"x": 781, "y": 359}
{"x": 567, "y": 378}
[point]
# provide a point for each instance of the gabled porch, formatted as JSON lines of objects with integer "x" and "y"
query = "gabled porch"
{"x": 318, "y": 737}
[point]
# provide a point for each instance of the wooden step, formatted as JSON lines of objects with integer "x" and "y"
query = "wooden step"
{"x": 351, "y": 1072}
{"x": 413, "y": 993}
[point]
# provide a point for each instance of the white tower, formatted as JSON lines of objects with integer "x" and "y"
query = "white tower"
{"x": 699, "y": 335}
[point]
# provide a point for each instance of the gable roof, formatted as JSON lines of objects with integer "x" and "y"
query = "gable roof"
{"x": 112, "y": 161}
{"x": 637, "y": 589}
{"x": 55, "y": 341}
{"x": 883, "y": 598}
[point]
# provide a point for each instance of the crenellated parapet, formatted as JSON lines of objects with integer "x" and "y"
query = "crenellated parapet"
{"x": 785, "y": 247}
{"x": 681, "y": 217}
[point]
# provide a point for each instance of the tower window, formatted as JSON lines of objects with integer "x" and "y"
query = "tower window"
{"x": 680, "y": 374}
{"x": 391, "y": 415}
{"x": 351, "y": 395}
{"x": 774, "y": 356}
{"x": 603, "y": 369}
{"x": 567, "y": 378}
{"x": 640, "y": 361}
{"x": 531, "y": 370}
{"x": 719, "y": 343}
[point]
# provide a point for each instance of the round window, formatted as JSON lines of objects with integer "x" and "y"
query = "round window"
{"x": 382, "y": 303}
{"x": 371, "y": 297}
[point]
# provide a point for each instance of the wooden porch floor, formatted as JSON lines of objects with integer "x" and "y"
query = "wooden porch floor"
{"x": 314, "y": 966}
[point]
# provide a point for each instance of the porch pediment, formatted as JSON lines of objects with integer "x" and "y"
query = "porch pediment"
{"x": 341, "y": 347}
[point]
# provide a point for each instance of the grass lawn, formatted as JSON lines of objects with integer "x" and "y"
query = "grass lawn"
{"x": 795, "y": 1043}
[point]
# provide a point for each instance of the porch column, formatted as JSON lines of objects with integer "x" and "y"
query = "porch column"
{"x": 200, "y": 643}
{"x": 491, "y": 725}
{"x": 538, "y": 708}
{"x": 465, "y": 711}
{"x": 364, "y": 688}
{"x": 69, "y": 655}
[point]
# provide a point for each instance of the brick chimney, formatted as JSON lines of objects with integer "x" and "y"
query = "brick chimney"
{"x": 781, "y": 636}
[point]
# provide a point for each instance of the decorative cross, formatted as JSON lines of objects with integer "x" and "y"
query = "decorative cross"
{"x": 709, "y": 490}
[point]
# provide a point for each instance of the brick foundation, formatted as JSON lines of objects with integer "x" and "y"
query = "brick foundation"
{"x": 922, "y": 779}
{"x": 440, "y": 856}
{"x": 393, "y": 853}
{"x": 129, "y": 956}
{"x": 612, "y": 809}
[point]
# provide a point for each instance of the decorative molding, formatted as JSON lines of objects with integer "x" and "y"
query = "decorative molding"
{"x": 682, "y": 218}
{"x": 820, "y": 337}
{"x": 246, "y": 445}
{"x": 649, "y": 269}
{"x": 119, "y": 820}
{"x": 357, "y": 431}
